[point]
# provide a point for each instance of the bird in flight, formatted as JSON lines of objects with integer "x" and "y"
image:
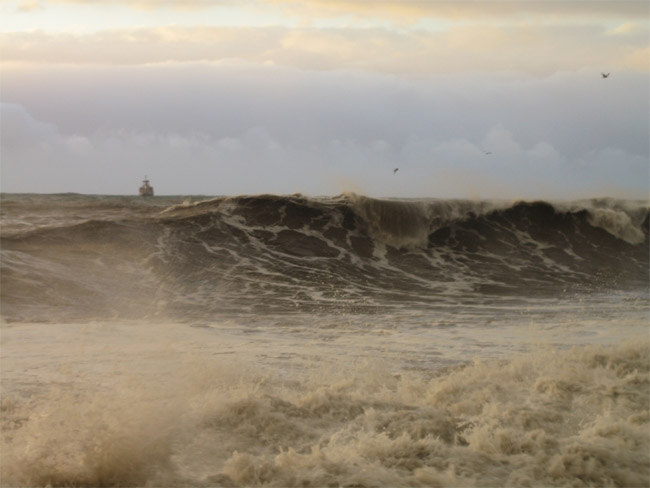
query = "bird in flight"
{"x": 605, "y": 75}
{"x": 487, "y": 153}
{"x": 395, "y": 170}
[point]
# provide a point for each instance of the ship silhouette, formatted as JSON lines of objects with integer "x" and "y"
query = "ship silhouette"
{"x": 146, "y": 190}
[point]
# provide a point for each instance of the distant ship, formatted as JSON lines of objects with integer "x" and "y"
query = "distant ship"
{"x": 146, "y": 190}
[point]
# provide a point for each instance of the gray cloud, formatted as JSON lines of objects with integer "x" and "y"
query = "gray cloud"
{"x": 20, "y": 129}
{"x": 238, "y": 128}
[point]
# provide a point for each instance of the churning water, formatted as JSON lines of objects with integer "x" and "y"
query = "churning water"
{"x": 347, "y": 341}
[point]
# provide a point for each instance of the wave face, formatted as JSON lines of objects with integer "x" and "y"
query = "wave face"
{"x": 103, "y": 257}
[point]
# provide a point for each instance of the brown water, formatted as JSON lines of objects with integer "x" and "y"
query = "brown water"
{"x": 289, "y": 341}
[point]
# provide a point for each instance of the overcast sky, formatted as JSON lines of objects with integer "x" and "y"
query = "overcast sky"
{"x": 471, "y": 99}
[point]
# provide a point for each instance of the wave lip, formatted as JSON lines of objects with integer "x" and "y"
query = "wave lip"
{"x": 617, "y": 223}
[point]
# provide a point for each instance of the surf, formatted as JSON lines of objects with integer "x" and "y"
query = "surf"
{"x": 291, "y": 252}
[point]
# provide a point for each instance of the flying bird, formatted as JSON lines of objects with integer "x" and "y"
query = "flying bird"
{"x": 487, "y": 153}
{"x": 395, "y": 170}
{"x": 605, "y": 75}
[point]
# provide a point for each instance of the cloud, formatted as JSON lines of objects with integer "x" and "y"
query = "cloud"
{"x": 637, "y": 59}
{"x": 466, "y": 10}
{"x": 544, "y": 153}
{"x": 29, "y": 6}
{"x": 499, "y": 140}
{"x": 211, "y": 109}
{"x": 628, "y": 29}
{"x": 539, "y": 49}
{"x": 247, "y": 129}
{"x": 22, "y": 133}
{"x": 410, "y": 10}
{"x": 19, "y": 128}
{"x": 149, "y": 5}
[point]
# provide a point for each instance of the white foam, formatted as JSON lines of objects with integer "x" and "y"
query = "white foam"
{"x": 617, "y": 223}
{"x": 142, "y": 405}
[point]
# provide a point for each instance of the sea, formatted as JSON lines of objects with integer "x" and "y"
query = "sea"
{"x": 341, "y": 341}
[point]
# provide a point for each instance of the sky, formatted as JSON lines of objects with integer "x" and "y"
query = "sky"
{"x": 468, "y": 98}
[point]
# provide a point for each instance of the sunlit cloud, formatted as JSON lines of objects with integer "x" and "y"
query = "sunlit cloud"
{"x": 638, "y": 59}
{"x": 414, "y": 10}
{"x": 629, "y": 29}
{"x": 406, "y": 9}
{"x": 399, "y": 12}
{"x": 29, "y": 6}
{"x": 148, "y": 5}
{"x": 524, "y": 48}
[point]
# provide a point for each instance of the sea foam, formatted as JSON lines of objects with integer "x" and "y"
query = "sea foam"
{"x": 548, "y": 418}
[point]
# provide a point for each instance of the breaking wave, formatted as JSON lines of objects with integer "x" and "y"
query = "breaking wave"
{"x": 283, "y": 253}
{"x": 576, "y": 417}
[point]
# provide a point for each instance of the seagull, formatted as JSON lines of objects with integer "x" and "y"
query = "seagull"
{"x": 395, "y": 170}
{"x": 487, "y": 153}
{"x": 605, "y": 75}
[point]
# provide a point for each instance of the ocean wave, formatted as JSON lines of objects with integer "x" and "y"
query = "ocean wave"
{"x": 282, "y": 253}
{"x": 409, "y": 223}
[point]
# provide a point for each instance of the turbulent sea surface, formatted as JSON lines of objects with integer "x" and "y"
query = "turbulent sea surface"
{"x": 346, "y": 341}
